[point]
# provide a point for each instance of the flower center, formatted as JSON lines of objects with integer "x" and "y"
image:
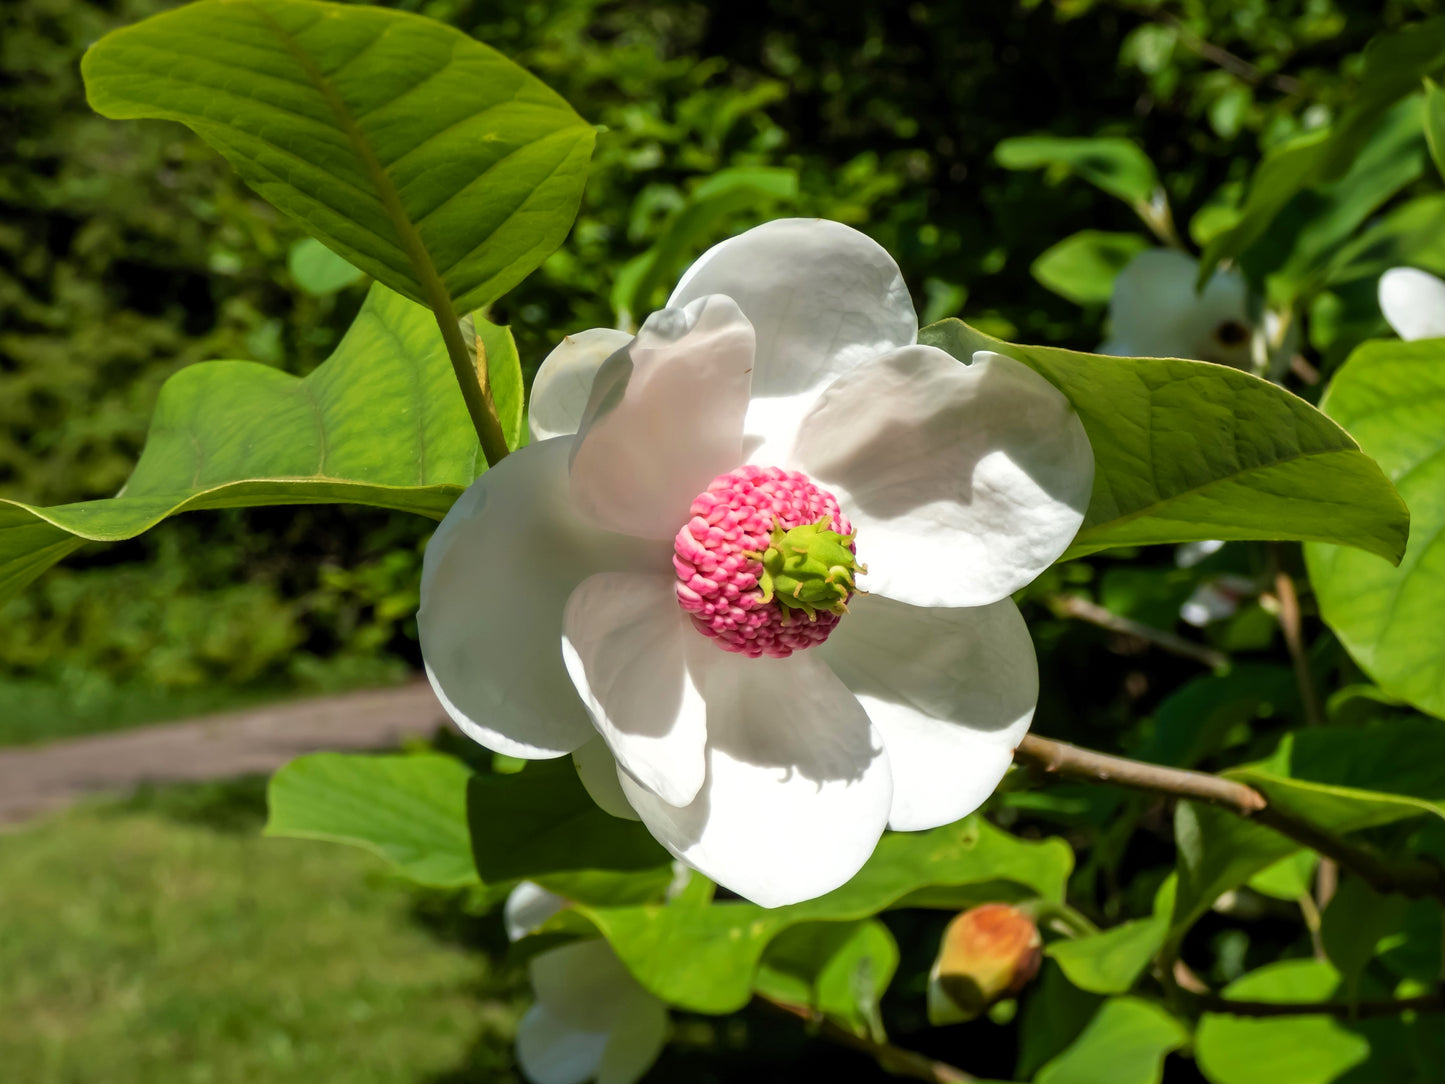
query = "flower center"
{"x": 765, "y": 563}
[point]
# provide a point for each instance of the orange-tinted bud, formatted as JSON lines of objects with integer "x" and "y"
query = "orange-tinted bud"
{"x": 988, "y": 953}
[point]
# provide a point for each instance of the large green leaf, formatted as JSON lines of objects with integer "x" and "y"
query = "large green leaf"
{"x": 380, "y": 422}
{"x": 1187, "y": 450}
{"x": 1116, "y": 165}
{"x": 411, "y": 810}
{"x": 1342, "y": 779}
{"x": 1278, "y": 1049}
{"x": 425, "y": 158}
{"x": 1392, "y": 396}
{"x": 722, "y": 944}
{"x": 1125, "y": 1043}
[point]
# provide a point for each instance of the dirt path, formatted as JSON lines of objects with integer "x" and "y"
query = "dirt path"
{"x": 37, "y": 778}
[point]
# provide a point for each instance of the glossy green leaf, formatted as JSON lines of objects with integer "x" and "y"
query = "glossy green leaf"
{"x": 723, "y": 943}
{"x": 411, "y": 810}
{"x": 1186, "y": 450}
{"x": 541, "y": 822}
{"x": 1394, "y": 65}
{"x": 1125, "y": 1043}
{"x": 1278, "y": 1049}
{"x": 1083, "y": 267}
{"x": 319, "y": 271}
{"x": 1113, "y": 164}
{"x": 1111, "y": 961}
{"x": 1392, "y": 396}
{"x": 1055, "y": 1013}
{"x": 381, "y": 422}
{"x": 1343, "y": 779}
{"x": 418, "y": 154}
{"x": 1289, "y": 878}
{"x": 837, "y": 968}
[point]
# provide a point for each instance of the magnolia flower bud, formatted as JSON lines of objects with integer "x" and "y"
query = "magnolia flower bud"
{"x": 988, "y": 953}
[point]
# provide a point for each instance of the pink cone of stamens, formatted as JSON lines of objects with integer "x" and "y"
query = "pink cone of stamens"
{"x": 717, "y": 582}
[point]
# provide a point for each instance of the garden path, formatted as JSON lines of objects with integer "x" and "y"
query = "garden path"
{"x": 38, "y": 778}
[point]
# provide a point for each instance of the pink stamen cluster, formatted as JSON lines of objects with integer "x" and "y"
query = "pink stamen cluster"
{"x": 717, "y": 583}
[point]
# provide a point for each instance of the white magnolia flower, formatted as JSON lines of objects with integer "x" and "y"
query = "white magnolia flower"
{"x": 592, "y": 1020}
{"x": 660, "y": 587}
{"x": 1413, "y": 302}
{"x": 1156, "y": 313}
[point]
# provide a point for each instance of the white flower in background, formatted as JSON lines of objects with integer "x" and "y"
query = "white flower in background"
{"x": 1156, "y": 313}
{"x": 592, "y": 1020}
{"x": 1413, "y": 302}
{"x": 667, "y": 588}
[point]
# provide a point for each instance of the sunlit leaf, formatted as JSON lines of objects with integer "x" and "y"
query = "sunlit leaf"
{"x": 1125, "y": 1043}
{"x": 1083, "y": 267}
{"x": 1186, "y": 451}
{"x": 836, "y": 968}
{"x": 1111, "y": 961}
{"x": 1113, "y": 164}
{"x": 319, "y": 271}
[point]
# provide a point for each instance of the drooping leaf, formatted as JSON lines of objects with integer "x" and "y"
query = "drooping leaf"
{"x": 1083, "y": 267}
{"x": 1186, "y": 451}
{"x": 416, "y": 153}
{"x": 1435, "y": 123}
{"x": 1287, "y": 879}
{"x": 1111, "y": 961}
{"x": 1392, "y": 395}
{"x": 1125, "y": 1043}
{"x": 723, "y": 943}
{"x": 319, "y": 271}
{"x": 1412, "y": 233}
{"x": 1111, "y": 163}
{"x": 837, "y": 968}
{"x": 1055, "y": 1013}
{"x": 411, "y": 810}
{"x": 1271, "y": 1050}
{"x": 381, "y": 422}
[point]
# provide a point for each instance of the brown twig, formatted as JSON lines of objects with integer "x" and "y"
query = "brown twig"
{"x": 891, "y": 1058}
{"x": 1234, "y": 65}
{"x": 1415, "y": 877}
{"x": 1094, "y": 614}
{"x": 1291, "y": 625}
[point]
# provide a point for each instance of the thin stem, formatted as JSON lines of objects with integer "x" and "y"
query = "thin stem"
{"x": 891, "y": 1058}
{"x": 1094, "y": 614}
{"x": 1235, "y": 65}
{"x": 471, "y": 373}
{"x": 1413, "y": 877}
{"x": 1290, "y": 625}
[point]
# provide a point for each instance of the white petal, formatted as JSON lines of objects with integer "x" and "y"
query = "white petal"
{"x": 527, "y": 907}
{"x": 624, "y": 642}
{"x": 798, "y": 787}
{"x": 494, "y": 582}
{"x": 952, "y": 693}
{"x": 1413, "y": 302}
{"x": 564, "y": 381}
{"x": 584, "y": 985}
{"x": 664, "y": 419}
{"x": 1155, "y": 311}
{"x": 822, "y": 298}
{"x": 549, "y": 1052}
{"x": 634, "y": 1043}
{"x": 964, "y": 482}
{"x": 597, "y": 769}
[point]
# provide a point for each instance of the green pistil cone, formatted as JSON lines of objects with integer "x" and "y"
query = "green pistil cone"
{"x": 809, "y": 568}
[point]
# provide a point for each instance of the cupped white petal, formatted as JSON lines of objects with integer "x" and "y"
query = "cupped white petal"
{"x": 822, "y": 298}
{"x": 798, "y": 787}
{"x": 550, "y": 1052}
{"x": 597, "y": 768}
{"x": 964, "y": 482}
{"x": 625, "y": 642}
{"x": 665, "y": 417}
{"x": 564, "y": 381}
{"x": 1155, "y": 312}
{"x": 1413, "y": 302}
{"x": 527, "y": 907}
{"x": 495, "y": 580}
{"x": 635, "y": 1041}
{"x": 952, "y": 692}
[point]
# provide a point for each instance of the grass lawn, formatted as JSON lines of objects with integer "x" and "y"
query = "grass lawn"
{"x": 162, "y": 940}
